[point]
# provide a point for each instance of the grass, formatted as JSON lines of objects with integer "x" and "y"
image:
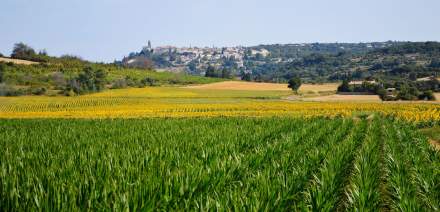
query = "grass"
{"x": 216, "y": 164}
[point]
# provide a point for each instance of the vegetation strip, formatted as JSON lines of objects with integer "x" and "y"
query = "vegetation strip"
{"x": 362, "y": 191}
{"x": 216, "y": 164}
{"x": 324, "y": 191}
{"x": 406, "y": 158}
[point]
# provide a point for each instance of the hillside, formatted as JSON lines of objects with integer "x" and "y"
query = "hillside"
{"x": 68, "y": 75}
{"x": 314, "y": 62}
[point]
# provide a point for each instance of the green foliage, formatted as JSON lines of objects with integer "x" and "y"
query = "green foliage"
{"x": 345, "y": 87}
{"x": 331, "y": 62}
{"x": 226, "y": 73}
{"x": 8, "y": 90}
{"x": 147, "y": 81}
{"x": 246, "y": 77}
{"x": 25, "y": 52}
{"x": 294, "y": 83}
{"x": 38, "y": 91}
{"x": 89, "y": 81}
{"x": 2, "y": 72}
{"x": 63, "y": 74}
{"x": 22, "y": 51}
{"x": 404, "y": 89}
{"x": 216, "y": 164}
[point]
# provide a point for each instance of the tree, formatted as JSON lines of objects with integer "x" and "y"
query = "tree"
{"x": 246, "y": 77}
{"x": 412, "y": 76}
{"x": 210, "y": 72}
{"x": 192, "y": 66}
{"x": 22, "y": 51}
{"x": 43, "y": 52}
{"x": 345, "y": 86}
{"x": 89, "y": 80}
{"x": 226, "y": 73}
{"x": 295, "y": 83}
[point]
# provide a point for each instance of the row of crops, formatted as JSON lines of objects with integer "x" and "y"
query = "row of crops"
{"x": 239, "y": 164}
{"x": 133, "y": 107}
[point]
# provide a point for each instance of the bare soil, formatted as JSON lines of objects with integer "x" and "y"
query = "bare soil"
{"x": 17, "y": 61}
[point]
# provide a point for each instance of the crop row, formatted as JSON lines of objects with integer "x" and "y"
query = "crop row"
{"x": 217, "y": 164}
{"x": 119, "y": 107}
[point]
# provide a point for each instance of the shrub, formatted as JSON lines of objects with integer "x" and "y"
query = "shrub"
{"x": 59, "y": 80}
{"x": 148, "y": 82}
{"x": 119, "y": 83}
{"x": 38, "y": 91}
{"x": 8, "y": 90}
{"x": 427, "y": 95}
{"x": 89, "y": 81}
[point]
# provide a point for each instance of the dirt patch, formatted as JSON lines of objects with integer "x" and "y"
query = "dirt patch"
{"x": 17, "y": 61}
{"x": 345, "y": 98}
{"x": 437, "y": 97}
{"x": 237, "y": 85}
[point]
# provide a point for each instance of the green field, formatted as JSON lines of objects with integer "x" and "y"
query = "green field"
{"x": 239, "y": 164}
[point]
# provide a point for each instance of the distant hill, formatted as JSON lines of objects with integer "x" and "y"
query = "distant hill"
{"x": 314, "y": 62}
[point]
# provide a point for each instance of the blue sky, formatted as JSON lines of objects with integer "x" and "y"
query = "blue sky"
{"x": 104, "y": 30}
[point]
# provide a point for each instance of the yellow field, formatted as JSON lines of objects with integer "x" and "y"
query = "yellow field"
{"x": 239, "y": 85}
{"x": 261, "y": 86}
{"x": 317, "y": 88}
{"x": 346, "y": 98}
{"x": 17, "y": 61}
{"x": 178, "y": 102}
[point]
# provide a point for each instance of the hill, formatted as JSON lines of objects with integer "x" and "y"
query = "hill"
{"x": 39, "y": 74}
{"x": 314, "y": 62}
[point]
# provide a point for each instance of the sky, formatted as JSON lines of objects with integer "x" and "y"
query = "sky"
{"x": 105, "y": 30}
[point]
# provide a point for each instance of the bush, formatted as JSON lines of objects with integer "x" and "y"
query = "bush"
{"x": 89, "y": 81}
{"x": 58, "y": 80}
{"x": 7, "y": 90}
{"x": 148, "y": 82}
{"x": 38, "y": 91}
{"x": 69, "y": 92}
{"x": 427, "y": 95}
{"x": 119, "y": 83}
